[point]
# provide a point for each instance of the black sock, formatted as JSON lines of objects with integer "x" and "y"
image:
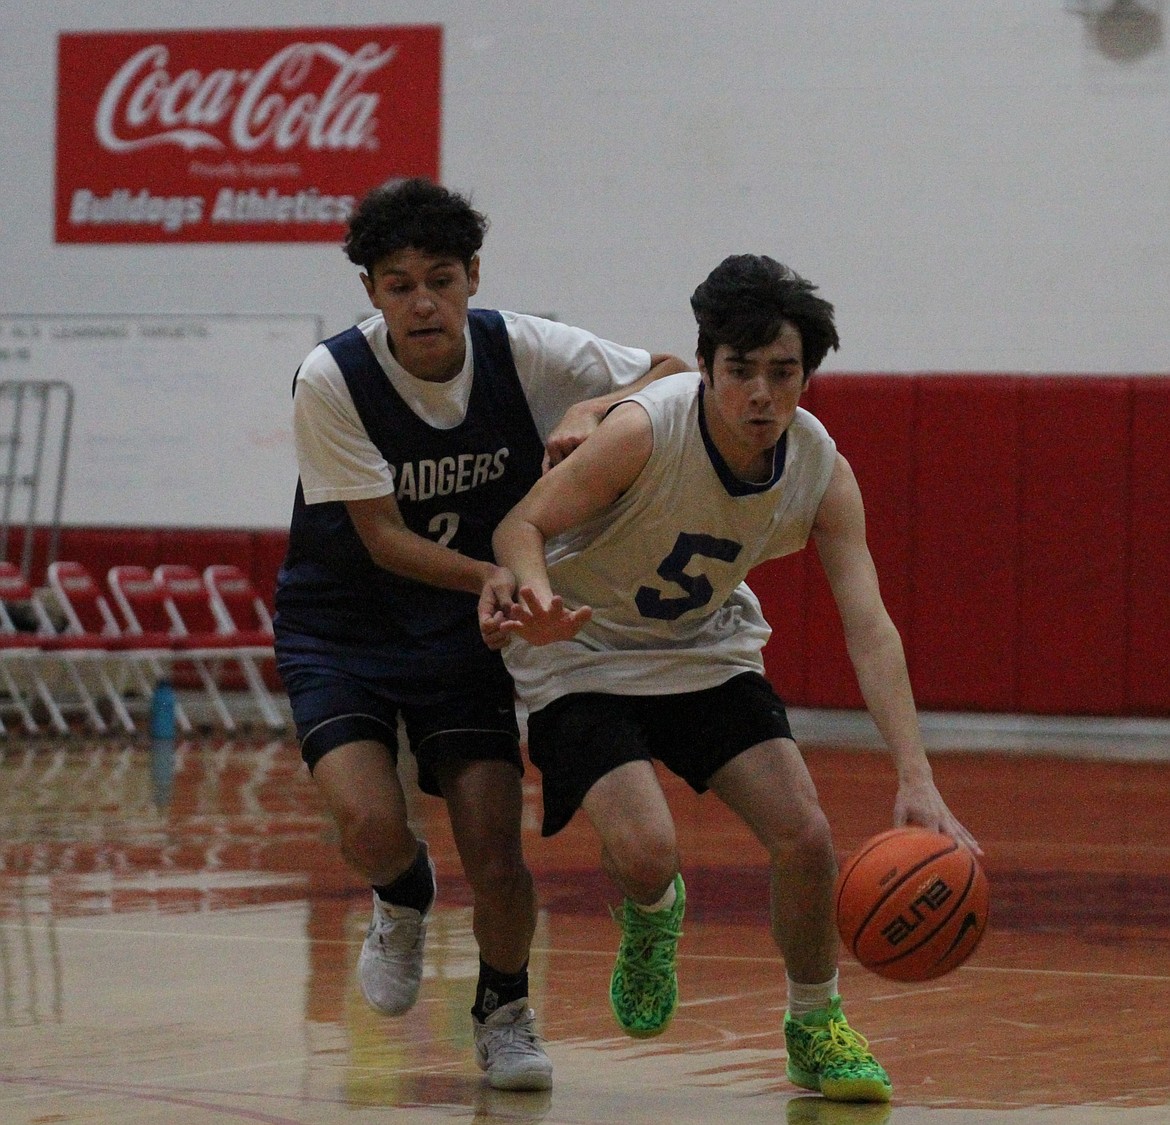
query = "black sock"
{"x": 495, "y": 989}
{"x": 415, "y": 887}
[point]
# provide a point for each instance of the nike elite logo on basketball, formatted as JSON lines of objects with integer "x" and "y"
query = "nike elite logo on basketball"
{"x": 970, "y": 922}
{"x": 917, "y": 911}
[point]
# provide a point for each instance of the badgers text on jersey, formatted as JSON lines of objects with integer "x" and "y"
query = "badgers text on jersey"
{"x": 427, "y": 478}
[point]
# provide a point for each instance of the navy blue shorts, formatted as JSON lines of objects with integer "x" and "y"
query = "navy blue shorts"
{"x": 577, "y": 739}
{"x": 336, "y": 700}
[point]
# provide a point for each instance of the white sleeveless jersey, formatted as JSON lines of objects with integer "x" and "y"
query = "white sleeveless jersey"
{"x": 663, "y": 569}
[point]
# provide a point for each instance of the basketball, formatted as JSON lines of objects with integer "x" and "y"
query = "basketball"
{"x": 911, "y": 904}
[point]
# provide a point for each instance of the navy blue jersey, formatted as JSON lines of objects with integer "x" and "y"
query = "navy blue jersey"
{"x": 452, "y": 486}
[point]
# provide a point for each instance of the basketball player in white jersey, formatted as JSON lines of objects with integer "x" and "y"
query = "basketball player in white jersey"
{"x": 634, "y": 637}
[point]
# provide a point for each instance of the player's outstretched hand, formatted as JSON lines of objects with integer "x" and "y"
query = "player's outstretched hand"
{"x": 541, "y": 624}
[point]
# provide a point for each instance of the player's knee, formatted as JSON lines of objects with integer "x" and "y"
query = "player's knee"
{"x": 374, "y": 842}
{"x": 806, "y": 842}
{"x": 646, "y": 865}
{"x": 497, "y": 871}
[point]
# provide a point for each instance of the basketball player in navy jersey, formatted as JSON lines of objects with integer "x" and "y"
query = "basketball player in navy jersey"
{"x": 416, "y": 431}
{"x": 633, "y": 636}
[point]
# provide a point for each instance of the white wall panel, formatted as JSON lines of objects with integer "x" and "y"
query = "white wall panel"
{"x": 976, "y": 186}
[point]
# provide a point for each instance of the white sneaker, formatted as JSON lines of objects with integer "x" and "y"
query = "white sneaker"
{"x": 508, "y": 1049}
{"x": 391, "y": 961}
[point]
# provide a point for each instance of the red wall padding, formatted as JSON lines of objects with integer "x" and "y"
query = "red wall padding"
{"x": 1020, "y": 529}
{"x": 871, "y": 417}
{"x": 1074, "y": 495}
{"x": 1020, "y": 526}
{"x": 964, "y": 547}
{"x": 1148, "y": 627}
{"x": 202, "y": 547}
{"x": 780, "y": 586}
{"x": 101, "y": 548}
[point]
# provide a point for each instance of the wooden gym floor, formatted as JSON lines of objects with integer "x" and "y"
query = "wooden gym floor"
{"x": 178, "y": 938}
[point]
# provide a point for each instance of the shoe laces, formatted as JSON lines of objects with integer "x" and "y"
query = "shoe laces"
{"x": 518, "y": 1036}
{"x": 398, "y": 935}
{"x": 648, "y": 944}
{"x": 837, "y": 1042}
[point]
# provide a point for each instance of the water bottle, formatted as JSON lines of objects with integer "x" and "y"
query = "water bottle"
{"x": 162, "y": 710}
{"x": 162, "y": 770}
{"x": 162, "y": 741}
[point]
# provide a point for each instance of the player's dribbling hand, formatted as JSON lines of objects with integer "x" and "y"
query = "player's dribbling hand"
{"x": 540, "y": 624}
{"x": 923, "y": 805}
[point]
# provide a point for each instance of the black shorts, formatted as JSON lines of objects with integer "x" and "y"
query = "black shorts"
{"x": 335, "y": 700}
{"x": 578, "y": 739}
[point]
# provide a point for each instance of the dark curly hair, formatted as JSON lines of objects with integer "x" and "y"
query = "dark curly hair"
{"x": 748, "y": 298}
{"x": 415, "y": 214}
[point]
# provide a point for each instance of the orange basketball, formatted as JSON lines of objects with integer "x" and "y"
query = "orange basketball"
{"x": 911, "y": 904}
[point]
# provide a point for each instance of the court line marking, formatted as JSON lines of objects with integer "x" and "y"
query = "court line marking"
{"x": 63, "y": 926}
{"x": 143, "y": 1093}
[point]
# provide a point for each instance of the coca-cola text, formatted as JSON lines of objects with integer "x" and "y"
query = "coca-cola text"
{"x": 145, "y": 105}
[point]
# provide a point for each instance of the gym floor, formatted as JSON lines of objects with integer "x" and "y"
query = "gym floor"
{"x": 178, "y": 937}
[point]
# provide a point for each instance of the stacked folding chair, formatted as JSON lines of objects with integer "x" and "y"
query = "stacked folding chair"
{"x": 20, "y": 653}
{"x": 146, "y": 605}
{"x": 91, "y": 639}
{"x": 190, "y": 606}
{"x": 141, "y": 602}
{"x": 239, "y": 609}
{"x": 236, "y": 604}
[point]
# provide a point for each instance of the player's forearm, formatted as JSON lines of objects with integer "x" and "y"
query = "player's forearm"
{"x": 409, "y": 555}
{"x": 660, "y": 366}
{"x": 880, "y": 665}
{"x": 519, "y": 546}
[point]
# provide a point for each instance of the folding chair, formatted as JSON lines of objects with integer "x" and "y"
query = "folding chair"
{"x": 236, "y": 604}
{"x": 20, "y": 653}
{"x": 142, "y": 604}
{"x": 238, "y": 607}
{"x": 91, "y": 638}
{"x": 189, "y": 603}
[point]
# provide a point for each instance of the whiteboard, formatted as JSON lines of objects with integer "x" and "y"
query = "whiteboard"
{"x": 178, "y": 420}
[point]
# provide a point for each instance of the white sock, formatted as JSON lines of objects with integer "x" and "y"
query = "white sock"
{"x": 664, "y": 903}
{"x": 805, "y": 998}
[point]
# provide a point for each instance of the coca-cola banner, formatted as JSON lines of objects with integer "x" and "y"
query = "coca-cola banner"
{"x": 244, "y": 135}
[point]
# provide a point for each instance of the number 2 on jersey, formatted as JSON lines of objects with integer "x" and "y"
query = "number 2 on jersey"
{"x": 443, "y": 527}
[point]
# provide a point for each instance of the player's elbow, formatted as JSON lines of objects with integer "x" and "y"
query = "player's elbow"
{"x": 872, "y": 638}
{"x": 666, "y": 364}
{"x": 502, "y": 538}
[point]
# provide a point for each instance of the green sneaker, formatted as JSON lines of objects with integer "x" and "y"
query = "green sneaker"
{"x": 826, "y": 1054}
{"x": 643, "y": 990}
